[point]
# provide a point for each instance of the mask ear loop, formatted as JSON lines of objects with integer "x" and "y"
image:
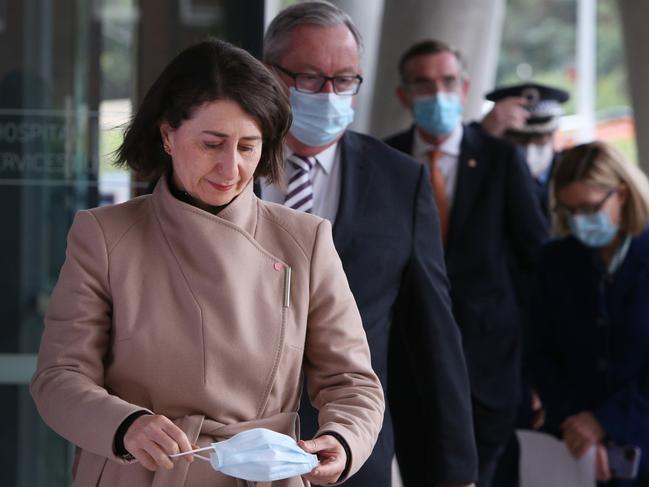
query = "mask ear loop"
{"x": 206, "y": 448}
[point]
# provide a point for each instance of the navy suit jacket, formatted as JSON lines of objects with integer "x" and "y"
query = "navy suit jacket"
{"x": 495, "y": 223}
{"x": 387, "y": 235}
{"x": 495, "y": 229}
{"x": 590, "y": 341}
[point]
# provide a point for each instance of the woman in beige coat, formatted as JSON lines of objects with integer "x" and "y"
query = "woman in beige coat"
{"x": 184, "y": 317}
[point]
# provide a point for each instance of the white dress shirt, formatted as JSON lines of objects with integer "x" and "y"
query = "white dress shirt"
{"x": 448, "y": 163}
{"x": 325, "y": 177}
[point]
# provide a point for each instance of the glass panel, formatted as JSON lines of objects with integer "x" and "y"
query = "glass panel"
{"x": 69, "y": 73}
{"x": 49, "y": 169}
{"x": 31, "y": 453}
{"x": 538, "y": 44}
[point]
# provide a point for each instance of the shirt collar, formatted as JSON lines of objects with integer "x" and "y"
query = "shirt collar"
{"x": 619, "y": 255}
{"x": 450, "y": 146}
{"x": 325, "y": 159}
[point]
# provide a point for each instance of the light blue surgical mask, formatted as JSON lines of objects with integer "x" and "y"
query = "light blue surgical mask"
{"x": 594, "y": 230}
{"x": 438, "y": 114}
{"x": 319, "y": 118}
{"x": 259, "y": 455}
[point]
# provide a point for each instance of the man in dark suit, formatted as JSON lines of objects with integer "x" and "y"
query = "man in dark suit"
{"x": 493, "y": 221}
{"x": 385, "y": 229}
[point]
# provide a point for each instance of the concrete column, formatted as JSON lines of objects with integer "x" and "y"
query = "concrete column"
{"x": 634, "y": 15}
{"x": 586, "y": 64}
{"x": 367, "y": 16}
{"x": 472, "y": 26}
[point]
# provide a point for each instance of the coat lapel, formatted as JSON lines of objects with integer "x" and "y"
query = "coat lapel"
{"x": 355, "y": 175}
{"x": 235, "y": 290}
{"x": 635, "y": 266}
{"x": 471, "y": 171}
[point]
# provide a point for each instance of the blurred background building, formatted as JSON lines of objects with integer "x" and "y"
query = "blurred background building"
{"x": 71, "y": 72}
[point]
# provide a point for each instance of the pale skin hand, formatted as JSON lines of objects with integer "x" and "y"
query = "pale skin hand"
{"x": 508, "y": 113}
{"x": 581, "y": 431}
{"x": 602, "y": 471}
{"x": 152, "y": 438}
{"x": 332, "y": 458}
{"x": 537, "y": 409}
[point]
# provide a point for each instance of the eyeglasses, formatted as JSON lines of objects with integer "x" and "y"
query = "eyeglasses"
{"x": 586, "y": 209}
{"x": 313, "y": 83}
{"x": 430, "y": 87}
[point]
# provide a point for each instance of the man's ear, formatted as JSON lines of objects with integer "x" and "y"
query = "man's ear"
{"x": 466, "y": 85}
{"x": 404, "y": 97}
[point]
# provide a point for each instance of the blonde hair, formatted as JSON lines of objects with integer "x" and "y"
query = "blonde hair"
{"x": 600, "y": 165}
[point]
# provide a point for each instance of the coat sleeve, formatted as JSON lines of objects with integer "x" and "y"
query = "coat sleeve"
{"x": 623, "y": 412}
{"x": 68, "y": 386}
{"x": 557, "y": 396}
{"x": 340, "y": 380}
{"x": 526, "y": 226}
{"x": 428, "y": 389}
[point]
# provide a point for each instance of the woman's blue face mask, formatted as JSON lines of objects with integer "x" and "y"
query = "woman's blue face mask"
{"x": 594, "y": 230}
{"x": 590, "y": 223}
{"x": 258, "y": 455}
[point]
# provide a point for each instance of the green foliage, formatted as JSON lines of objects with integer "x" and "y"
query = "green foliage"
{"x": 117, "y": 58}
{"x": 542, "y": 34}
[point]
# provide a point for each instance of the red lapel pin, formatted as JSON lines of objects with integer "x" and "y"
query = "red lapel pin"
{"x": 472, "y": 163}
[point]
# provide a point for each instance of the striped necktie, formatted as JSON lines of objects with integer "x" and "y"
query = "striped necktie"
{"x": 299, "y": 194}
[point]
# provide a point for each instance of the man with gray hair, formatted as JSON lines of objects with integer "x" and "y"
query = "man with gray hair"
{"x": 386, "y": 230}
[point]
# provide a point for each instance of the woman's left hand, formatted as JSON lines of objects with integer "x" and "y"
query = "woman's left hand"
{"x": 332, "y": 458}
{"x": 582, "y": 431}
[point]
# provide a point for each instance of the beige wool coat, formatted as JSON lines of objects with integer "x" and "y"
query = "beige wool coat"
{"x": 164, "y": 307}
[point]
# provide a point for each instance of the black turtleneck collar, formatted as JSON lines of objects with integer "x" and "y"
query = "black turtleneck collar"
{"x": 185, "y": 197}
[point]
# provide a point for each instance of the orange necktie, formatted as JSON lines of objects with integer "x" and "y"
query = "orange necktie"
{"x": 439, "y": 188}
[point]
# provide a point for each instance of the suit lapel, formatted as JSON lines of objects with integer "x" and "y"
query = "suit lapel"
{"x": 355, "y": 178}
{"x": 470, "y": 172}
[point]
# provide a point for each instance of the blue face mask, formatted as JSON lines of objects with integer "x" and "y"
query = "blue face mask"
{"x": 319, "y": 118}
{"x": 438, "y": 114}
{"x": 259, "y": 455}
{"x": 594, "y": 230}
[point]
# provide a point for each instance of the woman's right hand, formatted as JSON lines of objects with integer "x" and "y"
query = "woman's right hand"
{"x": 602, "y": 470}
{"x": 152, "y": 438}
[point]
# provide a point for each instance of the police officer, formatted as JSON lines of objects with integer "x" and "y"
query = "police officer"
{"x": 528, "y": 115}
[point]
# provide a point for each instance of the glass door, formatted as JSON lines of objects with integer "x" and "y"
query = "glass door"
{"x": 56, "y": 136}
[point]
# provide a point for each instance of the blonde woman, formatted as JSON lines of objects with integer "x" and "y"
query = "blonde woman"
{"x": 590, "y": 310}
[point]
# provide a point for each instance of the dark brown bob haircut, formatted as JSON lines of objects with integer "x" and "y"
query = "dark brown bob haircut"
{"x": 208, "y": 71}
